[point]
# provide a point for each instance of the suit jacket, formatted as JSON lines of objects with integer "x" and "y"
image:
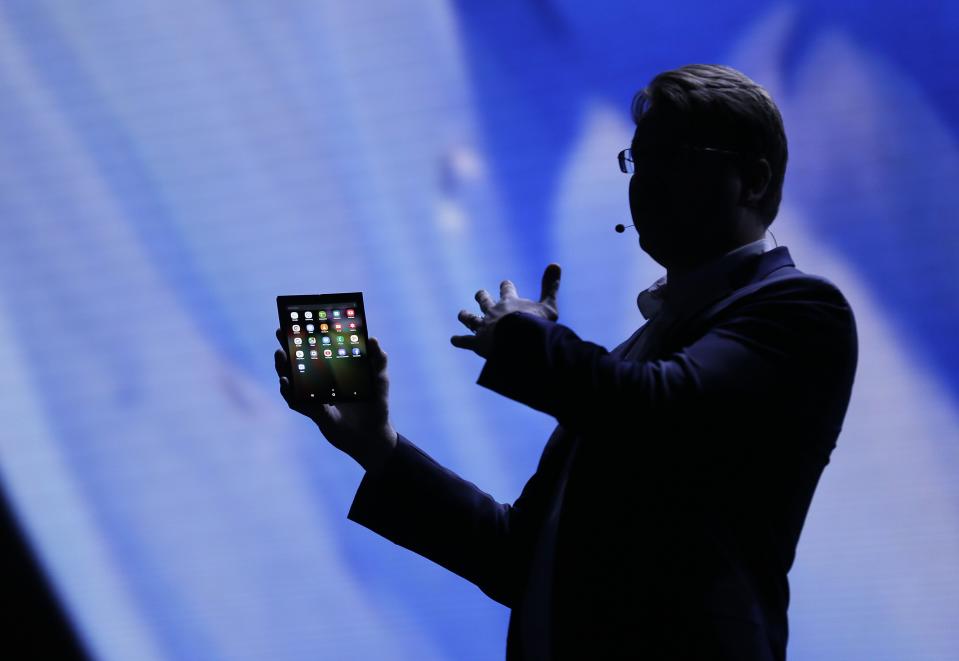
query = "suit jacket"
{"x": 668, "y": 501}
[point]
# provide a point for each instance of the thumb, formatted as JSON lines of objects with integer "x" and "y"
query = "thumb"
{"x": 324, "y": 415}
{"x": 550, "y": 284}
{"x": 327, "y": 418}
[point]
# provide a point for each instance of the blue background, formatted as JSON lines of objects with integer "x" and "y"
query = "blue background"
{"x": 167, "y": 169}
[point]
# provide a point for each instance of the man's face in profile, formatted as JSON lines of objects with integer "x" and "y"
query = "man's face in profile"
{"x": 683, "y": 201}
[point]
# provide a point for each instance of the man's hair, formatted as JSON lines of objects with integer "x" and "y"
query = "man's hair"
{"x": 722, "y": 107}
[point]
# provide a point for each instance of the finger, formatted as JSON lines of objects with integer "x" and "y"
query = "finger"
{"x": 281, "y": 363}
{"x": 550, "y": 284}
{"x": 485, "y": 301}
{"x": 281, "y": 337}
{"x": 377, "y": 355}
{"x": 464, "y": 342}
{"x": 378, "y": 360}
{"x": 507, "y": 289}
{"x": 470, "y": 320}
{"x": 285, "y": 391}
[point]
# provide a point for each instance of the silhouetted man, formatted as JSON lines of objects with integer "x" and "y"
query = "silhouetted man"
{"x": 664, "y": 514}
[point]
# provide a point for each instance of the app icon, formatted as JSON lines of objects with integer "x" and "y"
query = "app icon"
{"x": 339, "y": 339}
{"x": 321, "y": 314}
{"x": 313, "y": 353}
{"x": 301, "y": 367}
{"x": 299, "y": 353}
{"x": 307, "y": 315}
{"x": 356, "y": 351}
{"x": 296, "y": 328}
{"x": 324, "y": 328}
{"x": 352, "y": 325}
{"x": 337, "y": 327}
{"x": 328, "y": 353}
{"x": 309, "y": 328}
{"x": 336, "y": 314}
{"x": 350, "y": 312}
{"x": 294, "y": 316}
{"x": 354, "y": 338}
{"x": 341, "y": 351}
{"x": 312, "y": 340}
{"x": 297, "y": 341}
{"x": 326, "y": 339}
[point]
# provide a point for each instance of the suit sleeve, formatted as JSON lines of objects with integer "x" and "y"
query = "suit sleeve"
{"x": 793, "y": 333}
{"x": 418, "y": 504}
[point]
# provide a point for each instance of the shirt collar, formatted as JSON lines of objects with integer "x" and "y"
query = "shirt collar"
{"x": 699, "y": 283}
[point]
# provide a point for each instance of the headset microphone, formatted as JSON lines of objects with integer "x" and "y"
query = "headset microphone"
{"x": 622, "y": 228}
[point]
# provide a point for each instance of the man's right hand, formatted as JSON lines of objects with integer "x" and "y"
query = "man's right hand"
{"x": 360, "y": 429}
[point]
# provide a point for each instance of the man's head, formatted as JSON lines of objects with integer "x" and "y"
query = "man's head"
{"x": 710, "y": 155}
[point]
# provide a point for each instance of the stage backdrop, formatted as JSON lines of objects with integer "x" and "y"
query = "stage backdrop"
{"x": 168, "y": 168}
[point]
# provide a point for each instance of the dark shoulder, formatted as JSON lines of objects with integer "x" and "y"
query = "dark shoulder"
{"x": 796, "y": 288}
{"x": 800, "y": 303}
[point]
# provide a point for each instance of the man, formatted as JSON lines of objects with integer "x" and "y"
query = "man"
{"x": 665, "y": 511}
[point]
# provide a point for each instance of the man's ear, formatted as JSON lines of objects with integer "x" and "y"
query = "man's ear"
{"x": 756, "y": 177}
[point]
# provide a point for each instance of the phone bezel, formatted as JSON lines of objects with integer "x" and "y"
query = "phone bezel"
{"x": 321, "y": 300}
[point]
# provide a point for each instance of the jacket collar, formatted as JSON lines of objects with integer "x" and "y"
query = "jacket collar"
{"x": 759, "y": 267}
{"x": 736, "y": 268}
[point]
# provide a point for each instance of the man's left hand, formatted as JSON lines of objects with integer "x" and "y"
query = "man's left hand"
{"x": 481, "y": 341}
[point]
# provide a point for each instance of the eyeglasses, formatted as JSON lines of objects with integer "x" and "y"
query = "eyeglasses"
{"x": 627, "y": 165}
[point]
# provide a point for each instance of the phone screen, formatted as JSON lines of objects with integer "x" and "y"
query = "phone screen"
{"x": 327, "y": 346}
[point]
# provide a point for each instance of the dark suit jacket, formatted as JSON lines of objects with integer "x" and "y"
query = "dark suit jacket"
{"x": 688, "y": 475}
